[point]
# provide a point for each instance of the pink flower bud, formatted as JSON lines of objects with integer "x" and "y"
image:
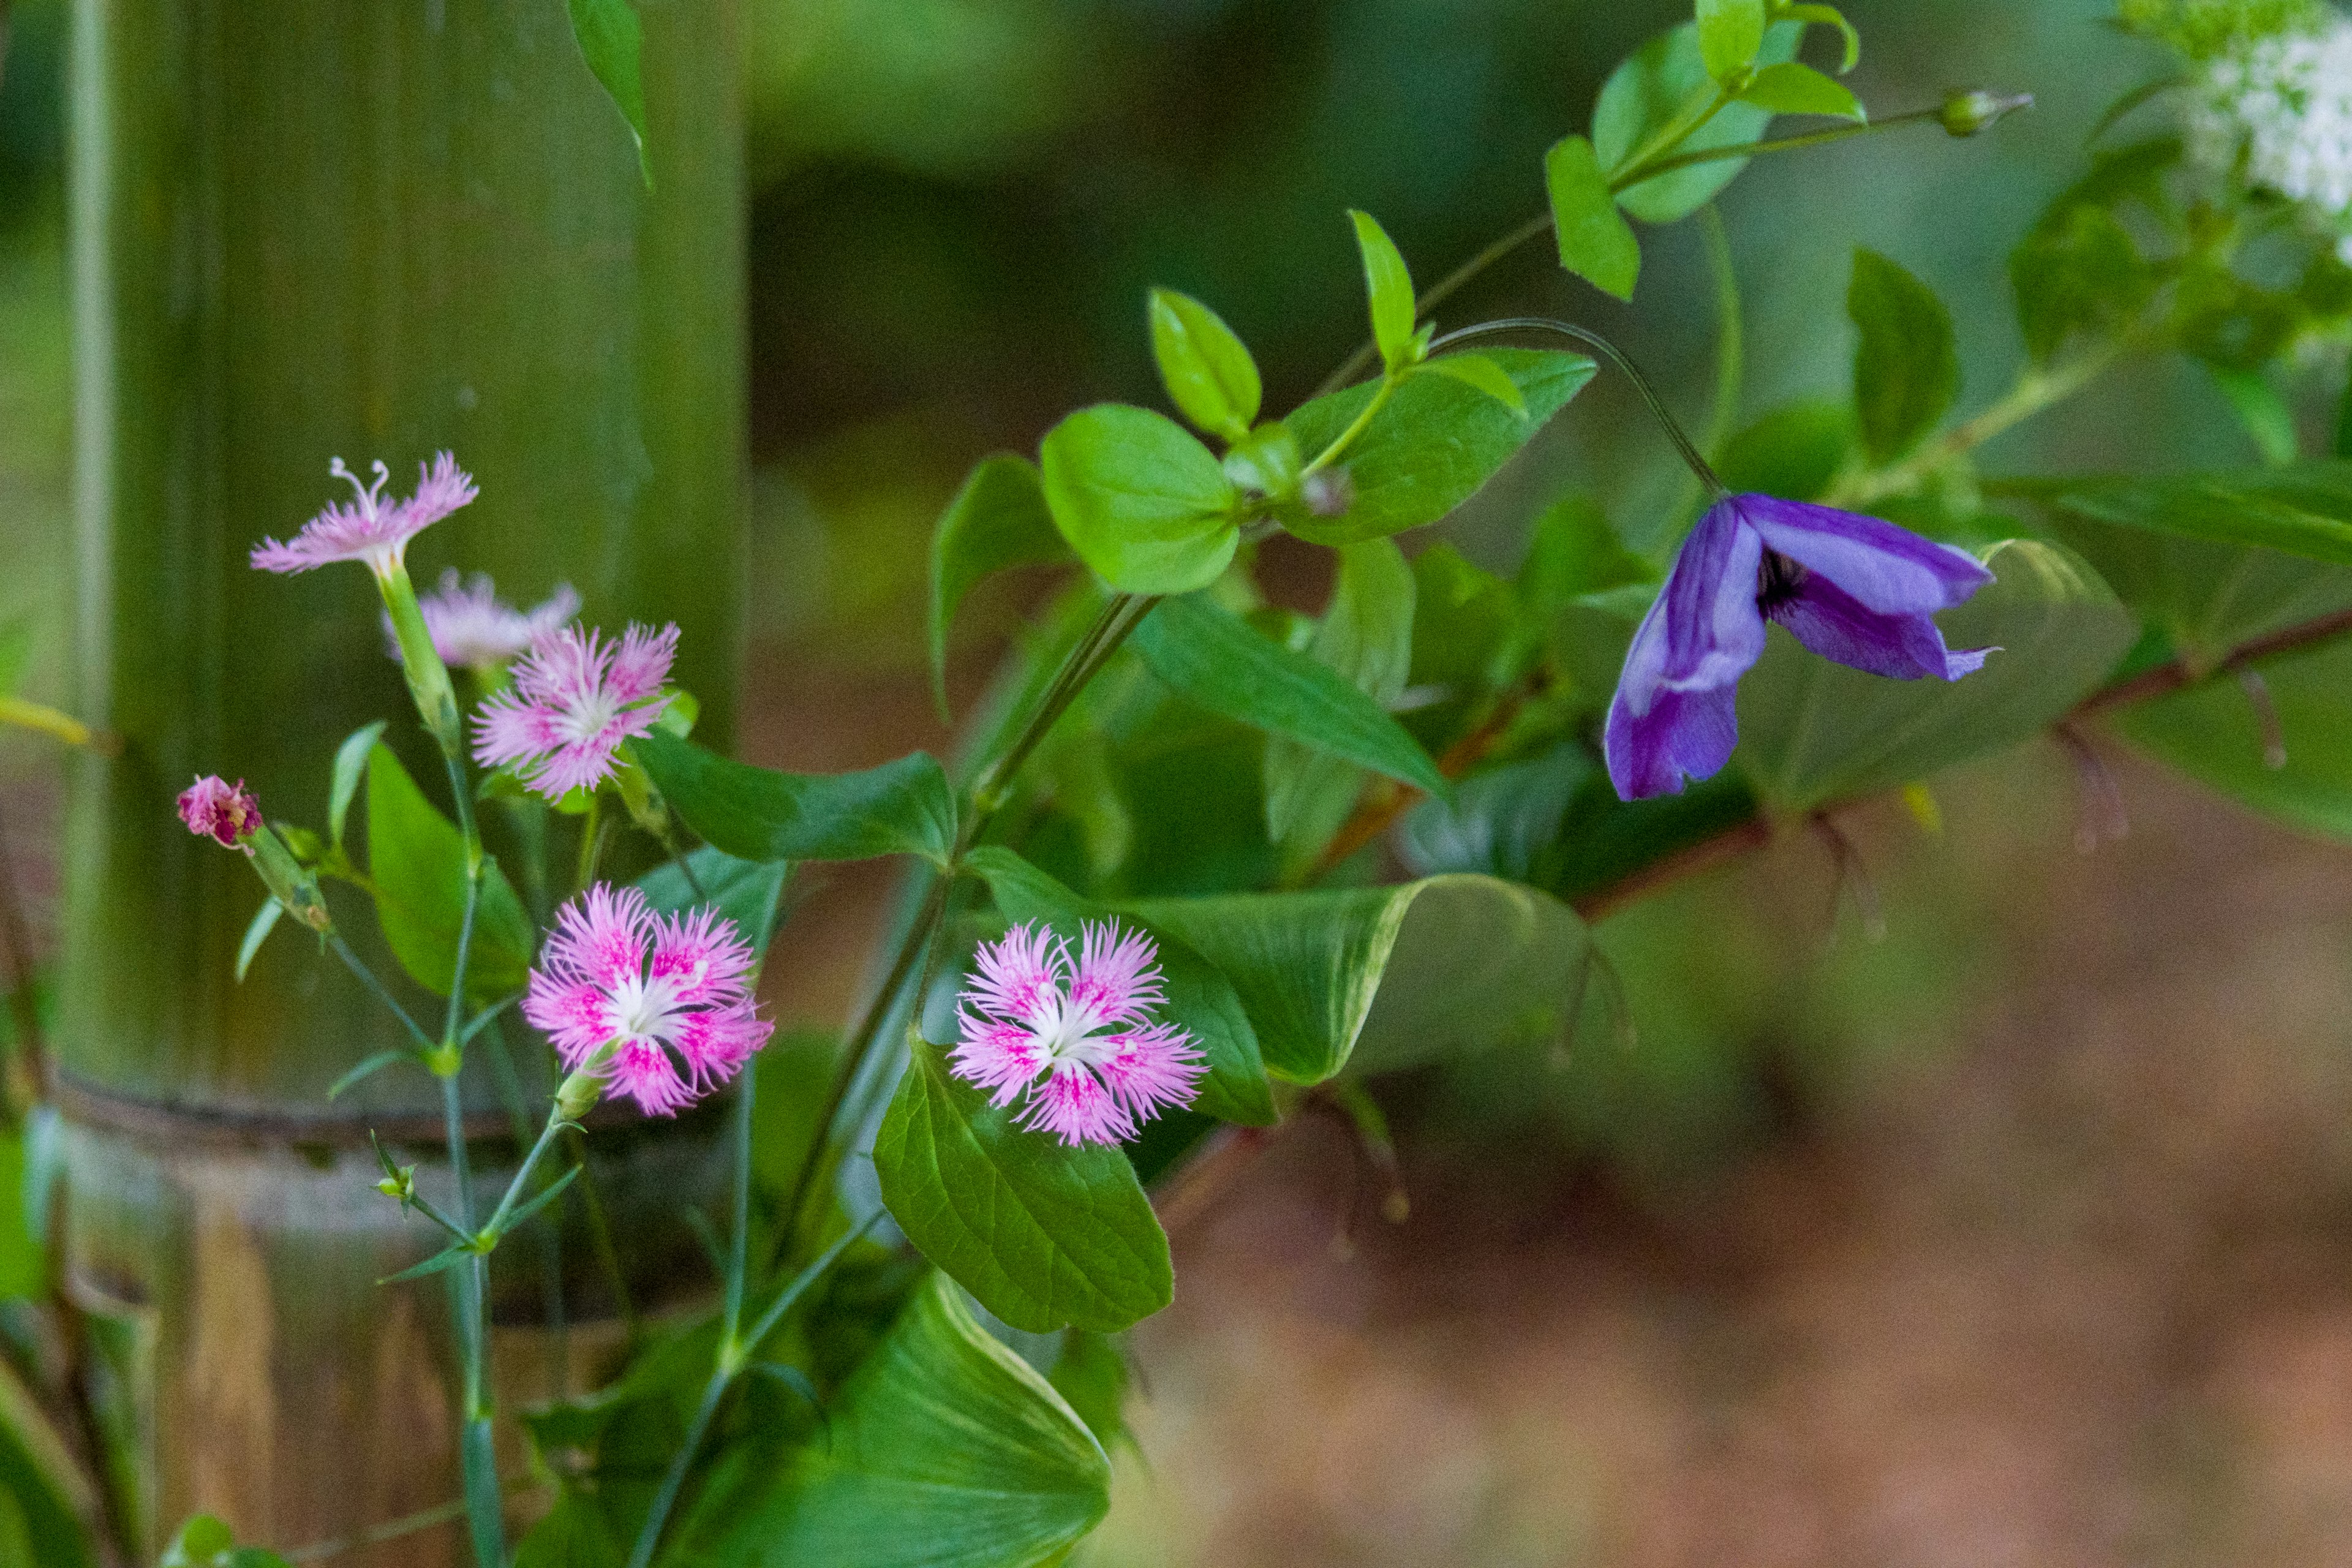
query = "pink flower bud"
{"x": 212, "y": 807}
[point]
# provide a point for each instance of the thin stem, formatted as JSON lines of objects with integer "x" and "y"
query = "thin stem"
{"x": 1541, "y": 224}
{"x": 674, "y": 1479}
{"x": 1776, "y": 144}
{"x": 734, "y": 1354}
{"x": 1616, "y": 356}
{"x": 600, "y": 1237}
{"x": 547, "y": 1136}
{"x": 469, "y": 1288}
{"x": 1347, "y": 438}
{"x": 739, "y": 1242}
{"x": 592, "y": 844}
{"x": 351, "y": 962}
{"x": 473, "y": 836}
{"x": 2036, "y": 389}
{"x": 392, "y": 1529}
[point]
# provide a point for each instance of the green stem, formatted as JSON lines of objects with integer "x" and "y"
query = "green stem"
{"x": 469, "y": 1285}
{"x": 1541, "y": 224}
{"x": 490, "y": 1231}
{"x": 351, "y": 962}
{"x": 734, "y": 1354}
{"x": 2036, "y": 389}
{"x": 1119, "y": 617}
{"x": 739, "y": 1240}
{"x": 1347, "y": 438}
{"x": 600, "y": 1237}
{"x": 592, "y": 844}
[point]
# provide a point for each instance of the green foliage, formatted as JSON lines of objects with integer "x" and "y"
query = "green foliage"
{"x": 1211, "y": 656}
{"x": 2207, "y": 598}
{"x": 574, "y": 1534}
{"x": 1794, "y": 451}
{"x": 1365, "y": 637}
{"x": 746, "y": 891}
{"x": 1812, "y": 731}
{"x": 1480, "y": 374}
{"x": 1792, "y": 87}
{"x": 205, "y": 1543}
{"x": 1665, "y": 84}
{"x": 1199, "y": 999}
{"x": 50, "y": 1497}
{"x": 998, "y": 520}
{"x": 760, "y": 813}
{"x": 1388, "y": 289}
{"x": 2214, "y": 733}
{"x": 1729, "y": 34}
{"x": 1596, "y": 243}
{"x": 1433, "y": 446}
{"x": 351, "y": 765}
{"x": 2079, "y": 270}
{"x": 1906, "y": 363}
{"x": 1143, "y": 504}
{"x": 2301, "y": 508}
{"x": 1044, "y": 1234}
{"x": 1209, "y": 374}
{"x": 1381, "y": 978}
{"x": 1092, "y": 1375}
{"x": 945, "y": 1450}
{"x": 417, "y": 865}
{"x": 612, "y": 40}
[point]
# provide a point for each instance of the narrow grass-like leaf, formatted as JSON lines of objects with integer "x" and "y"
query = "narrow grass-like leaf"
{"x": 265, "y": 920}
{"x": 350, "y": 766}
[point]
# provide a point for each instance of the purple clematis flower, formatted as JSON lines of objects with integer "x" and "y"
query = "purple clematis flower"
{"x": 1854, "y": 589}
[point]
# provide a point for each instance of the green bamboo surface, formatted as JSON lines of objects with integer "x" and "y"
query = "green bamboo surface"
{"x": 366, "y": 229}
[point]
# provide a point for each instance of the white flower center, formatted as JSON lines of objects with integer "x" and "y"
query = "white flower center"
{"x": 1065, "y": 1032}
{"x": 647, "y": 1007}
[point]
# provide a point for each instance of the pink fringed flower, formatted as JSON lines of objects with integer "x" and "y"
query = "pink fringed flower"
{"x": 1078, "y": 1036}
{"x": 671, "y": 992}
{"x": 575, "y": 697}
{"x": 470, "y": 624}
{"x": 214, "y": 808}
{"x": 370, "y": 529}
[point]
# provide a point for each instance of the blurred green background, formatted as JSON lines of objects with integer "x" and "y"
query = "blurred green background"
{"x": 1952, "y": 1246}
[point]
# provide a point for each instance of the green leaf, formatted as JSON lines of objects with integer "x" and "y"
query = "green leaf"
{"x": 574, "y": 1534}
{"x": 351, "y": 765}
{"x": 1045, "y": 1236}
{"x": 612, "y": 41}
{"x": 1433, "y": 446}
{"x": 1388, "y": 288}
{"x": 1200, "y": 1001}
{"x": 1729, "y": 34}
{"x": 1596, "y": 243}
{"x": 2214, "y": 732}
{"x": 1794, "y": 451}
{"x": 1210, "y": 655}
{"x": 1812, "y": 731}
{"x": 1479, "y": 373}
{"x": 1382, "y": 978}
{"x": 2261, "y": 409}
{"x": 1092, "y": 1375}
{"x": 997, "y": 521}
{"x": 1906, "y": 364}
{"x": 946, "y": 1450}
{"x": 1366, "y": 638}
{"x": 370, "y": 1067}
{"x": 416, "y": 860}
{"x": 1830, "y": 16}
{"x": 2080, "y": 271}
{"x": 2301, "y": 508}
{"x": 449, "y": 1256}
{"x": 746, "y": 892}
{"x": 1649, "y": 92}
{"x": 2208, "y": 598}
{"x": 1208, "y": 372}
{"x": 1505, "y": 822}
{"x": 1144, "y": 504}
{"x": 1576, "y": 552}
{"x": 759, "y": 813}
{"x": 1790, "y": 87}
{"x": 265, "y": 920}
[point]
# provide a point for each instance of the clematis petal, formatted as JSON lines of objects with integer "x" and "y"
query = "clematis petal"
{"x": 1841, "y": 628}
{"x": 1704, "y": 631}
{"x": 1887, "y": 569}
{"x": 1684, "y": 734}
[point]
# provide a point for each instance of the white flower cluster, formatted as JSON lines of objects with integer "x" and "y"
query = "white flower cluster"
{"x": 2287, "y": 102}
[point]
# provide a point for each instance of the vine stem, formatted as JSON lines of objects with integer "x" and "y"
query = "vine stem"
{"x": 1469, "y": 271}
{"x": 2037, "y": 389}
